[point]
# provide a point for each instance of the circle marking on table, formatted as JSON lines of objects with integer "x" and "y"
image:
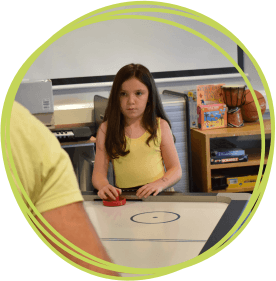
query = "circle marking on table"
{"x": 155, "y": 217}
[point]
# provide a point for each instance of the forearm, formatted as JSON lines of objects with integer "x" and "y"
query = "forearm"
{"x": 97, "y": 251}
{"x": 170, "y": 178}
{"x": 105, "y": 189}
{"x": 73, "y": 223}
{"x": 99, "y": 181}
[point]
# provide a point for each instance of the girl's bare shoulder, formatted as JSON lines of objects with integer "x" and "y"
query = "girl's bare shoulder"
{"x": 101, "y": 134}
{"x": 164, "y": 124}
{"x": 166, "y": 132}
{"x": 103, "y": 127}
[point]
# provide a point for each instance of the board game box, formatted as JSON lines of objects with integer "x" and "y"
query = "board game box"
{"x": 202, "y": 95}
{"x": 212, "y": 116}
{"x": 243, "y": 181}
{"x": 219, "y": 160}
{"x": 222, "y": 148}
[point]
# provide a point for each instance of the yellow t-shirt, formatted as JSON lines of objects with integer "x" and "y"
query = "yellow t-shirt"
{"x": 144, "y": 164}
{"x": 44, "y": 168}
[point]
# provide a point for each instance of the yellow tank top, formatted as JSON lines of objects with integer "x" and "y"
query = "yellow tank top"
{"x": 142, "y": 165}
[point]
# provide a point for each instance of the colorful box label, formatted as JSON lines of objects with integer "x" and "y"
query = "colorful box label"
{"x": 209, "y": 93}
{"x": 246, "y": 181}
{"x": 212, "y": 116}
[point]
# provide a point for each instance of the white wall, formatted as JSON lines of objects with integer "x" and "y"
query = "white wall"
{"x": 103, "y": 48}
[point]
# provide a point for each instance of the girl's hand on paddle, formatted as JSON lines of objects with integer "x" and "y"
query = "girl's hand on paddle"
{"x": 148, "y": 189}
{"x": 109, "y": 192}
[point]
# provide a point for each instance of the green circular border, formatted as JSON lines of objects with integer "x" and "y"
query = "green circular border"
{"x": 78, "y": 23}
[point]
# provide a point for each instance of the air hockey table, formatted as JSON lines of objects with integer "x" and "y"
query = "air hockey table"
{"x": 166, "y": 229}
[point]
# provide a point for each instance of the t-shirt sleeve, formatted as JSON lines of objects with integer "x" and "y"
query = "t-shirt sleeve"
{"x": 59, "y": 184}
{"x": 44, "y": 168}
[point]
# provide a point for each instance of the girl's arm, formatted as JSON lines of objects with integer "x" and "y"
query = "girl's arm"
{"x": 173, "y": 168}
{"x": 99, "y": 177}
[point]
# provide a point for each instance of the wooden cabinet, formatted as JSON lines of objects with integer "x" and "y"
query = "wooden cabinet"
{"x": 200, "y": 145}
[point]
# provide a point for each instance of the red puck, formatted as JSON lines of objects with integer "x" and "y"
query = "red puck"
{"x": 120, "y": 201}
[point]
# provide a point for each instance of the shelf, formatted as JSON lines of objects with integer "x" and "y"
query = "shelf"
{"x": 254, "y": 158}
{"x": 200, "y": 145}
{"x": 247, "y": 130}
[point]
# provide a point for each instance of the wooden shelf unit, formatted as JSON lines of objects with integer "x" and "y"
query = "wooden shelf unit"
{"x": 200, "y": 145}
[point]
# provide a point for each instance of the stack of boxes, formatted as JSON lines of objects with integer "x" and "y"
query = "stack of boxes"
{"x": 207, "y": 110}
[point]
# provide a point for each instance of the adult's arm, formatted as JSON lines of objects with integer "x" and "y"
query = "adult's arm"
{"x": 73, "y": 223}
{"x": 48, "y": 178}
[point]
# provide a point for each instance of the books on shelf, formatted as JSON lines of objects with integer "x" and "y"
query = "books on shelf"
{"x": 227, "y": 152}
{"x": 219, "y": 160}
{"x": 224, "y": 151}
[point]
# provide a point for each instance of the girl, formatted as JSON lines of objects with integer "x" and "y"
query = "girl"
{"x": 136, "y": 136}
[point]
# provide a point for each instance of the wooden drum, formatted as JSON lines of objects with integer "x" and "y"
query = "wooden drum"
{"x": 233, "y": 95}
{"x": 234, "y": 98}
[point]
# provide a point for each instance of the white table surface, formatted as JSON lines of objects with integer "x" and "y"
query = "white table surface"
{"x": 154, "y": 234}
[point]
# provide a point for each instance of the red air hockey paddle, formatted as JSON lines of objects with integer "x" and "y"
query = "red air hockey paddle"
{"x": 120, "y": 201}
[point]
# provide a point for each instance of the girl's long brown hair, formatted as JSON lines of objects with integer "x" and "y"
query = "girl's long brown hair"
{"x": 115, "y": 142}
